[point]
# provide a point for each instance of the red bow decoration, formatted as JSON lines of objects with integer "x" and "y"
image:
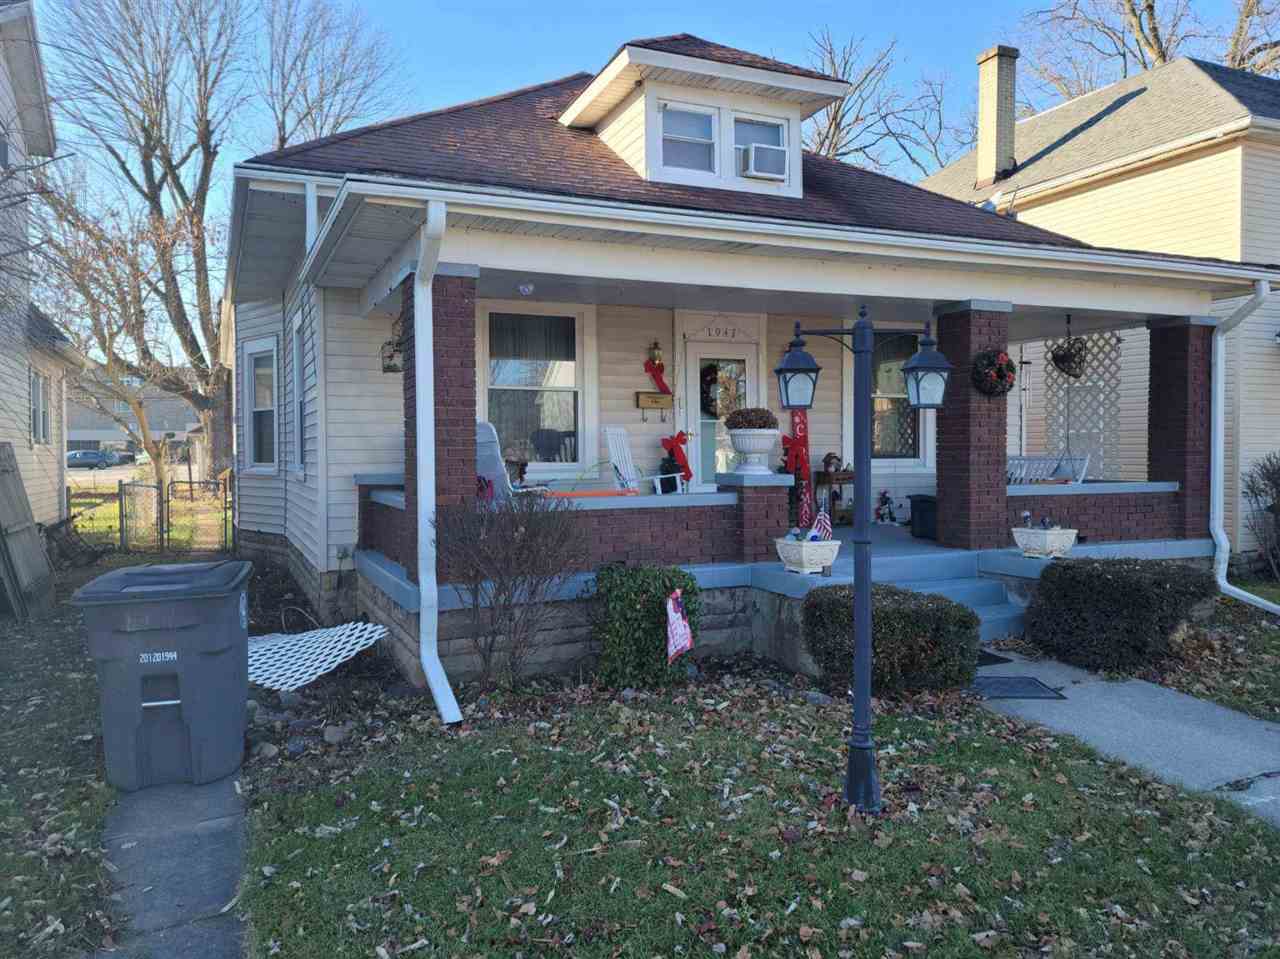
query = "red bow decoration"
{"x": 674, "y": 445}
{"x": 796, "y": 447}
{"x": 655, "y": 371}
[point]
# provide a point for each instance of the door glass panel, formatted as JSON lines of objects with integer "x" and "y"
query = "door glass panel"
{"x": 722, "y": 389}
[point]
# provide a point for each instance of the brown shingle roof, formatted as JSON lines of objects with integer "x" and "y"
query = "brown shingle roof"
{"x": 687, "y": 45}
{"x": 516, "y": 141}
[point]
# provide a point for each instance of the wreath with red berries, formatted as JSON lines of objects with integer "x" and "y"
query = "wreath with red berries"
{"x": 994, "y": 373}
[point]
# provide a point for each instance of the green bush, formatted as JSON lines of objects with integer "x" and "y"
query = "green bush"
{"x": 630, "y": 623}
{"x": 1114, "y": 614}
{"x": 918, "y": 641}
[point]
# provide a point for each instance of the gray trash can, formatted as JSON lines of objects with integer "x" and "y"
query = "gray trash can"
{"x": 171, "y": 646}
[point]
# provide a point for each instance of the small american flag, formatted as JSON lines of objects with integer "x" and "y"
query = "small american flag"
{"x": 821, "y": 526}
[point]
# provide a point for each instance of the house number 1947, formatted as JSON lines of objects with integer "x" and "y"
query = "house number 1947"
{"x": 721, "y": 332}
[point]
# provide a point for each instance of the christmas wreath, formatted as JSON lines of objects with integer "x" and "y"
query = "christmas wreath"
{"x": 994, "y": 373}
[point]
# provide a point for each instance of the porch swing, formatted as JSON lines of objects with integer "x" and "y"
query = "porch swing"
{"x": 1068, "y": 357}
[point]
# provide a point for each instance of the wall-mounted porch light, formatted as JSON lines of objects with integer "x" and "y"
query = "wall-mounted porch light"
{"x": 392, "y": 357}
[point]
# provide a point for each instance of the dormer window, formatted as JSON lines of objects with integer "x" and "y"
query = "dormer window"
{"x": 760, "y": 148}
{"x": 688, "y": 137}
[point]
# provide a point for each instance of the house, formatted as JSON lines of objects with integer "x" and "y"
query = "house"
{"x": 528, "y": 252}
{"x": 35, "y": 358}
{"x": 92, "y": 411}
{"x": 1179, "y": 159}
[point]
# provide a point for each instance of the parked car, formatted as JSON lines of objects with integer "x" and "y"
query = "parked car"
{"x": 88, "y": 460}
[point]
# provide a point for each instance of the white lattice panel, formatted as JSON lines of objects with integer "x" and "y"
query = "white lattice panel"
{"x": 289, "y": 661}
{"x": 1082, "y": 415}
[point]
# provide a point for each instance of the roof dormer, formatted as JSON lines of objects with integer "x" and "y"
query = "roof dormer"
{"x": 683, "y": 110}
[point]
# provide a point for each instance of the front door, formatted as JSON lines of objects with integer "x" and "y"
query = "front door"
{"x": 719, "y": 378}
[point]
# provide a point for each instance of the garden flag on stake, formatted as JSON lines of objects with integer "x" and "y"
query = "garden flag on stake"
{"x": 679, "y": 635}
{"x": 821, "y": 526}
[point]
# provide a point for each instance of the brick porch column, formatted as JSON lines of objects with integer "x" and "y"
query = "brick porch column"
{"x": 1178, "y": 426}
{"x": 453, "y": 311}
{"x": 762, "y": 512}
{"x": 971, "y": 430}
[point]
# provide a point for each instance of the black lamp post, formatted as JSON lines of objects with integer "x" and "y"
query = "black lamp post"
{"x": 926, "y": 375}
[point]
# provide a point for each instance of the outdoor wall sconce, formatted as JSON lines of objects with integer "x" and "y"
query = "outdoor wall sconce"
{"x": 392, "y": 357}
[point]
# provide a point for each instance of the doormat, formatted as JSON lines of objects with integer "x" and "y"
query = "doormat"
{"x": 986, "y": 658}
{"x": 1013, "y": 687}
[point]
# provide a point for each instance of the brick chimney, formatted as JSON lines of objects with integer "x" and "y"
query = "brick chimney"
{"x": 997, "y": 73}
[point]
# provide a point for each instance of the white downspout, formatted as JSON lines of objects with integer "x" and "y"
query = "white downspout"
{"x": 430, "y": 236}
{"x": 1217, "y": 464}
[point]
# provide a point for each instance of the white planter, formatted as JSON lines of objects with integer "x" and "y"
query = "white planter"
{"x": 807, "y": 556}
{"x": 1044, "y": 543}
{"x": 754, "y": 447}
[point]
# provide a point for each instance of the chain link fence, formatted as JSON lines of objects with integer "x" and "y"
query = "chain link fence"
{"x": 184, "y": 516}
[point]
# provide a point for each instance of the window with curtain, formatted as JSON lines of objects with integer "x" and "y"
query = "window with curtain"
{"x": 533, "y": 386}
{"x": 895, "y": 431}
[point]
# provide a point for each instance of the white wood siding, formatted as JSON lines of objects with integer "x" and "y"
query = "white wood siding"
{"x": 623, "y": 337}
{"x": 302, "y": 517}
{"x": 364, "y": 432}
{"x": 824, "y": 418}
{"x": 623, "y": 130}
{"x": 260, "y": 497}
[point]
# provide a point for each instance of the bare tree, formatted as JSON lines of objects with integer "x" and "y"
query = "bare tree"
{"x": 926, "y": 136}
{"x": 856, "y": 126}
{"x": 154, "y": 89}
{"x": 1252, "y": 43}
{"x": 321, "y": 68}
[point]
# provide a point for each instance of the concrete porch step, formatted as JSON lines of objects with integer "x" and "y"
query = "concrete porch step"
{"x": 972, "y": 591}
{"x": 1000, "y": 621}
{"x": 940, "y": 565}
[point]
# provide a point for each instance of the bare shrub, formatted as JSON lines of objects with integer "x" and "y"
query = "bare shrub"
{"x": 1262, "y": 491}
{"x": 510, "y": 559}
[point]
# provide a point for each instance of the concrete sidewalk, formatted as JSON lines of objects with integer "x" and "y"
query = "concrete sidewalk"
{"x": 179, "y": 851}
{"x": 1175, "y": 737}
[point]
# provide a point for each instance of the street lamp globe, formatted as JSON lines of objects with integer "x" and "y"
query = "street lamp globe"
{"x": 926, "y": 374}
{"x": 797, "y": 376}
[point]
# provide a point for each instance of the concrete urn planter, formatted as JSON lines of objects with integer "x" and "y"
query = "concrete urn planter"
{"x": 806, "y": 556}
{"x": 1044, "y": 543}
{"x": 754, "y": 446}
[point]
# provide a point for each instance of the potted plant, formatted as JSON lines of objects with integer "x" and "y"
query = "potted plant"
{"x": 753, "y": 431}
{"x": 1045, "y": 541}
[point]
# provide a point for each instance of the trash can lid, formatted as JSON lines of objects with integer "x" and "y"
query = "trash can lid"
{"x": 154, "y": 582}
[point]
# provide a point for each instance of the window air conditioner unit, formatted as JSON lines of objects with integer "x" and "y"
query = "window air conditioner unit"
{"x": 763, "y": 162}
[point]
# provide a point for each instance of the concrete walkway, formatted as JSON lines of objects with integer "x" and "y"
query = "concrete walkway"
{"x": 180, "y": 853}
{"x": 1175, "y": 737}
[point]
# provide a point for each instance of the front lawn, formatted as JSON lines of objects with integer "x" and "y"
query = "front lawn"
{"x": 1234, "y": 660}
{"x": 705, "y": 821}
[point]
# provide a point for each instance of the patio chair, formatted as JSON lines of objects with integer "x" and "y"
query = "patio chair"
{"x": 625, "y": 474}
{"x": 492, "y": 467}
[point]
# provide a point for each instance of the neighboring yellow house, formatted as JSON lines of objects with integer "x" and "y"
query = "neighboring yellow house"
{"x": 1181, "y": 159}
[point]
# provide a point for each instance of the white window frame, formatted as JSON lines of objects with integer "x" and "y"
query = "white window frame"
{"x": 684, "y": 174}
{"x": 299, "y": 460}
{"x": 251, "y": 349}
{"x": 734, "y": 116}
{"x": 40, "y": 388}
{"x": 586, "y": 381}
{"x": 925, "y": 462}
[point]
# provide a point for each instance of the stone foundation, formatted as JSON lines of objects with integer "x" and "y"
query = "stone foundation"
{"x": 331, "y": 594}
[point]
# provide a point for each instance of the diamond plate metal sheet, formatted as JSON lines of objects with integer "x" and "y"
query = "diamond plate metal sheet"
{"x": 1013, "y": 687}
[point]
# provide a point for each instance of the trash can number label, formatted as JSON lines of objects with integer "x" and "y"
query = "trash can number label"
{"x": 158, "y": 656}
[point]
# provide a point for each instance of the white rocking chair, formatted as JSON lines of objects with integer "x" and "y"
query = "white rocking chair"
{"x": 491, "y": 466}
{"x": 625, "y": 474}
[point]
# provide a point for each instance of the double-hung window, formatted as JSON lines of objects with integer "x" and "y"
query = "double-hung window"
{"x": 260, "y": 402}
{"x": 41, "y": 400}
{"x": 688, "y": 137}
{"x": 768, "y": 163}
{"x": 895, "y": 431}
{"x": 535, "y": 393}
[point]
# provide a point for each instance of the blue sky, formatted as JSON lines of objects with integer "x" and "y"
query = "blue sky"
{"x": 460, "y": 51}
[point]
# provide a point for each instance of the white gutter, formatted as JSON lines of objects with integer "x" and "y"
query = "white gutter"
{"x": 430, "y": 235}
{"x": 1217, "y": 462}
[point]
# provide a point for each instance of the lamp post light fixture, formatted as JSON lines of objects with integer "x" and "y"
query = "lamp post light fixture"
{"x": 926, "y": 374}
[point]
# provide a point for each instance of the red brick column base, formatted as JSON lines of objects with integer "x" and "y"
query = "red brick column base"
{"x": 762, "y": 512}
{"x": 971, "y": 436}
{"x": 1179, "y": 427}
{"x": 453, "y": 313}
